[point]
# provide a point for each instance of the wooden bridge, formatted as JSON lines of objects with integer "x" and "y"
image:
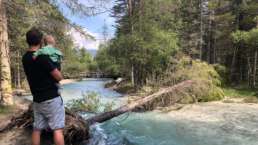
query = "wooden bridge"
{"x": 88, "y": 75}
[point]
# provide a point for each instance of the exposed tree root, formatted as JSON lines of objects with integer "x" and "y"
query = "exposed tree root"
{"x": 76, "y": 129}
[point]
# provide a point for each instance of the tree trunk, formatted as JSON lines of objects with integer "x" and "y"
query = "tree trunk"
{"x": 209, "y": 45}
{"x": 6, "y": 88}
{"x": 254, "y": 69}
{"x": 249, "y": 72}
{"x": 201, "y": 30}
{"x": 215, "y": 42}
{"x": 172, "y": 95}
{"x": 132, "y": 76}
{"x": 232, "y": 70}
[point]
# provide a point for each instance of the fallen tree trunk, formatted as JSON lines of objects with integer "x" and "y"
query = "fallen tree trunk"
{"x": 164, "y": 97}
{"x": 77, "y": 129}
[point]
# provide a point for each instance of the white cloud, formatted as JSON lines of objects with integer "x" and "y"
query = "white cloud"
{"x": 95, "y": 24}
{"x": 81, "y": 41}
{"x": 101, "y": 3}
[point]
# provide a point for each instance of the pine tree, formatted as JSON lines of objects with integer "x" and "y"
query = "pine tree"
{"x": 6, "y": 88}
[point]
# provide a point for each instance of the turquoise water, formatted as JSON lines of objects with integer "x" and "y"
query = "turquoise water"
{"x": 154, "y": 128}
{"x": 78, "y": 89}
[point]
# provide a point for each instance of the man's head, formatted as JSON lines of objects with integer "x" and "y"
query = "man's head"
{"x": 49, "y": 40}
{"x": 34, "y": 37}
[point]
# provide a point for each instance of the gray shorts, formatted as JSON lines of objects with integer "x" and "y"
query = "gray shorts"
{"x": 49, "y": 114}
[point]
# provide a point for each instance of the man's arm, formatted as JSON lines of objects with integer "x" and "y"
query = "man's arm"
{"x": 57, "y": 75}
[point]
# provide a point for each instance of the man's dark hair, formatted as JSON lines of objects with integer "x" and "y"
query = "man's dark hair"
{"x": 34, "y": 37}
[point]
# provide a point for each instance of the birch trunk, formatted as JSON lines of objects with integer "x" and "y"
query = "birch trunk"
{"x": 6, "y": 88}
{"x": 18, "y": 72}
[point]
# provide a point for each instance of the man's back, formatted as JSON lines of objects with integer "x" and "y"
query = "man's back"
{"x": 42, "y": 84}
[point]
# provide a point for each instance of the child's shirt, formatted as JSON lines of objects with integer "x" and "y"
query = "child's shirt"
{"x": 54, "y": 54}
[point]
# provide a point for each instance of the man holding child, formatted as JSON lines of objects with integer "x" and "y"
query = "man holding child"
{"x": 42, "y": 68}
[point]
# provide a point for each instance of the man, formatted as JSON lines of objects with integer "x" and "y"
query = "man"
{"x": 42, "y": 76}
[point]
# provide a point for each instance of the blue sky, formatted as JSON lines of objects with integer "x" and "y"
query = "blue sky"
{"x": 93, "y": 25}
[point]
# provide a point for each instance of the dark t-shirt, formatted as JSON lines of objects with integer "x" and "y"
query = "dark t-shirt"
{"x": 42, "y": 85}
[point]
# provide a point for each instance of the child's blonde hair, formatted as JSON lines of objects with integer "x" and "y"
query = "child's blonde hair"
{"x": 49, "y": 40}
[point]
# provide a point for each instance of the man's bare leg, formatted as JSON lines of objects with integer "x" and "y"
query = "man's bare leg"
{"x": 36, "y": 137}
{"x": 59, "y": 137}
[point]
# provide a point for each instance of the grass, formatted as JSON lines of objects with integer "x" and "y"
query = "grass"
{"x": 6, "y": 109}
{"x": 247, "y": 94}
{"x": 239, "y": 92}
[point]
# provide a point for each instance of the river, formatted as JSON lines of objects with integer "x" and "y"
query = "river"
{"x": 157, "y": 128}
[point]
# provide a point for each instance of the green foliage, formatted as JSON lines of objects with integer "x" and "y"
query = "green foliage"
{"x": 73, "y": 68}
{"x": 207, "y": 80}
{"x": 144, "y": 40}
{"x": 239, "y": 36}
{"x": 90, "y": 103}
{"x": 105, "y": 62}
{"x": 252, "y": 36}
{"x": 247, "y": 37}
{"x": 187, "y": 69}
{"x": 108, "y": 106}
{"x": 78, "y": 60}
{"x": 223, "y": 72}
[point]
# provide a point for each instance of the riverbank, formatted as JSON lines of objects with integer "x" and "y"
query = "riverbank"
{"x": 217, "y": 112}
{"x": 68, "y": 81}
{"x": 26, "y": 92}
{"x": 124, "y": 86}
